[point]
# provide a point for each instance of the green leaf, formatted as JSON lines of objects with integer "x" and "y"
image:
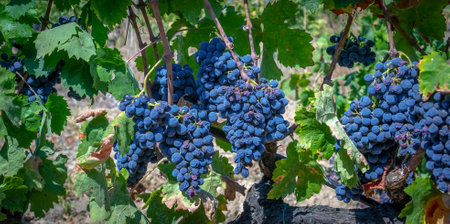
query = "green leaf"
{"x": 163, "y": 214}
{"x": 30, "y": 116}
{"x": 123, "y": 209}
{"x": 198, "y": 217}
{"x": 15, "y": 194}
{"x": 19, "y": 8}
{"x": 66, "y": 4}
{"x": 93, "y": 183}
{"x": 221, "y": 165}
{"x": 293, "y": 45}
{"x": 79, "y": 47}
{"x": 123, "y": 83}
{"x": 212, "y": 181}
{"x": 226, "y": 146}
{"x": 49, "y": 40}
{"x": 76, "y": 74}
{"x": 110, "y": 12}
{"x": 59, "y": 111}
{"x": 9, "y": 102}
{"x": 171, "y": 190}
{"x": 31, "y": 177}
{"x": 124, "y": 132}
{"x": 421, "y": 191}
{"x": 299, "y": 172}
{"x": 12, "y": 29}
{"x": 23, "y": 136}
{"x": 167, "y": 169}
{"x": 325, "y": 113}
{"x": 11, "y": 157}
{"x": 99, "y": 31}
{"x": 54, "y": 174}
{"x": 313, "y": 135}
{"x": 344, "y": 165}
{"x": 434, "y": 73}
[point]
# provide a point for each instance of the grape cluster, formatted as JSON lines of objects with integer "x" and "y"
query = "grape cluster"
{"x": 42, "y": 86}
{"x": 346, "y": 194}
{"x": 253, "y": 113}
{"x": 189, "y": 144}
{"x": 64, "y": 20}
{"x": 218, "y": 68}
{"x": 376, "y": 127}
{"x": 356, "y": 49}
{"x": 183, "y": 84}
{"x": 436, "y": 141}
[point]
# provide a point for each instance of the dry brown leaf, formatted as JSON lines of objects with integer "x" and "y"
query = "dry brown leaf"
{"x": 92, "y": 113}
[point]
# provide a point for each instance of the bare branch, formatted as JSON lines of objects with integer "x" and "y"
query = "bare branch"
{"x": 168, "y": 55}
{"x": 249, "y": 27}
{"x": 229, "y": 45}
{"x": 47, "y": 15}
{"x": 387, "y": 18}
{"x": 410, "y": 39}
{"x": 338, "y": 50}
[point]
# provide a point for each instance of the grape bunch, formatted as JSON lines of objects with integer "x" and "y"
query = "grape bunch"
{"x": 436, "y": 141}
{"x": 346, "y": 194}
{"x": 64, "y": 20}
{"x": 218, "y": 68}
{"x": 254, "y": 117}
{"x": 376, "y": 127}
{"x": 356, "y": 49}
{"x": 183, "y": 84}
{"x": 189, "y": 144}
{"x": 41, "y": 86}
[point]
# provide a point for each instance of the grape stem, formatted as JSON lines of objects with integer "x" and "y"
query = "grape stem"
{"x": 168, "y": 55}
{"x": 147, "y": 77}
{"x": 406, "y": 56}
{"x": 45, "y": 19}
{"x": 338, "y": 50}
{"x": 132, "y": 18}
{"x": 229, "y": 45}
{"x": 249, "y": 28}
{"x": 410, "y": 39}
{"x": 149, "y": 172}
{"x": 32, "y": 90}
{"x": 387, "y": 18}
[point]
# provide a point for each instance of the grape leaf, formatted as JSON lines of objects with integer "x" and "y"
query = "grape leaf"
{"x": 59, "y": 111}
{"x": 211, "y": 182}
{"x": 345, "y": 3}
{"x": 221, "y": 165}
{"x": 76, "y": 74}
{"x": 54, "y": 174}
{"x": 123, "y": 83}
{"x": 30, "y": 116}
{"x": 150, "y": 57}
{"x": 421, "y": 191}
{"x": 9, "y": 102}
{"x": 434, "y": 74}
{"x": 344, "y": 165}
{"x": 2, "y": 197}
{"x": 292, "y": 45}
{"x": 123, "y": 209}
{"x": 65, "y": 4}
{"x": 426, "y": 17}
{"x": 124, "y": 132}
{"x": 99, "y": 31}
{"x": 79, "y": 47}
{"x": 299, "y": 172}
{"x": 226, "y": 146}
{"x": 17, "y": 9}
{"x": 198, "y": 217}
{"x": 31, "y": 177}
{"x": 172, "y": 194}
{"x": 163, "y": 214}
{"x": 107, "y": 63}
{"x": 167, "y": 169}
{"x": 11, "y": 157}
{"x": 110, "y": 12}
{"x": 49, "y": 40}
{"x": 325, "y": 113}
{"x": 15, "y": 193}
{"x": 99, "y": 123}
{"x": 93, "y": 183}
{"x": 11, "y": 29}
{"x": 313, "y": 135}
{"x": 20, "y": 133}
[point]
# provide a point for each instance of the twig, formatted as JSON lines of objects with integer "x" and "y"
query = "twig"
{"x": 229, "y": 45}
{"x": 387, "y": 18}
{"x": 47, "y": 15}
{"x": 132, "y": 18}
{"x": 338, "y": 50}
{"x": 249, "y": 27}
{"x": 167, "y": 53}
{"x": 149, "y": 172}
{"x": 410, "y": 40}
{"x": 21, "y": 83}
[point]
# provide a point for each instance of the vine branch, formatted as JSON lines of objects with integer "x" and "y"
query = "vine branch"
{"x": 229, "y": 45}
{"x": 132, "y": 18}
{"x": 410, "y": 40}
{"x": 45, "y": 19}
{"x": 338, "y": 50}
{"x": 167, "y": 53}
{"x": 249, "y": 28}
{"x": 387, "y": 18}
